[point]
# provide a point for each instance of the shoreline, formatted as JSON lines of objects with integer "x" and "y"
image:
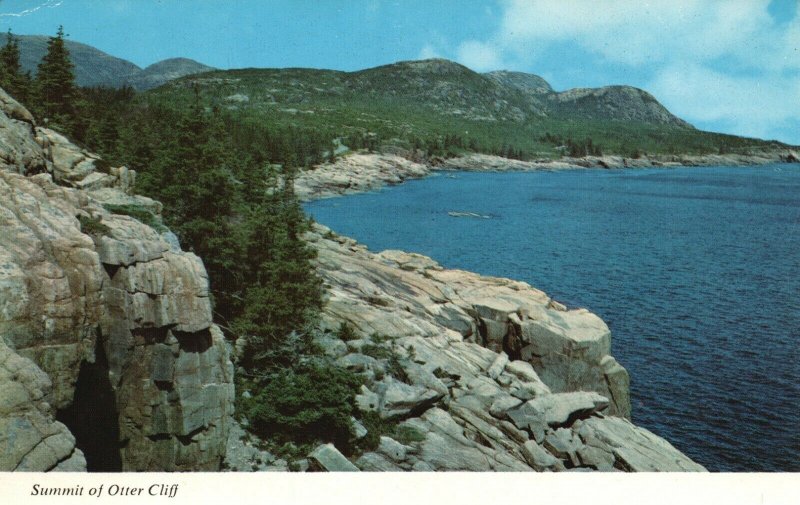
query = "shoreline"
{"x": 360, "y": 300}
{"x": 363, "y": 172}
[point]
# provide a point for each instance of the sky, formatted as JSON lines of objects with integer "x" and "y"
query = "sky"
{"x": 731, "y": 66}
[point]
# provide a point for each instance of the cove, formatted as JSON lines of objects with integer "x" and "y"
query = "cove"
{"x": 695, "y": 270}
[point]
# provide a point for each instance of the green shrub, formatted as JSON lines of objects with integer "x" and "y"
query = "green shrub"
{"x": 93, "y": 225}
{"x": 396, "y": 370}
{"x": 376, "y": 427}
{"x": 102, "y": 165}
{"x": 312, "y": 402}
{"x": 376, "y": 351}
{"x": 378, "y": 338}
{"x": 346, "y": 332}
{"x": 139, "y": 213}
{"x": 440, "y": 374}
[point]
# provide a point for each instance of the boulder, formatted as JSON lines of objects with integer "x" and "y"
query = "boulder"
{"x": 327, "y": 458}
{"x": 502, "y": 405}
{"x": 564, "y": 444}
{"x": 634, "y": 449}
{"x": 564, "y": 408}
{"x": 539, "y": 458}
{"x": 597, "y": 458}
{"x": 393, "y": 449}
{"x": 399, "y": 399}
{"x": 374, "y": 462}
{"x": 497, "y": 366}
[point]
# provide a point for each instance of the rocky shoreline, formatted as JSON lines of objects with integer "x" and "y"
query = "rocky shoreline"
{"x": 359, "y": 172}
{"x": 496, "y": 376}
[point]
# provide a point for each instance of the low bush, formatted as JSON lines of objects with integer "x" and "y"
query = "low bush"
{"x": 93, "y": 225}
{"x": 139, "y": 213}
{"x": 312, "y": 402}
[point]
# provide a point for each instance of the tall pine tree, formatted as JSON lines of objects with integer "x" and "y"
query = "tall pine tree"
{"x": 55, "y": 85}
{"x": 12, "y": 79}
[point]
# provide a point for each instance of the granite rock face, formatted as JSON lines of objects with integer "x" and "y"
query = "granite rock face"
{"x": 81, "y": 286}
{"x": 479, "y": 373}
{"x": 30, "y": 438}
{"x": 405, "y": 295}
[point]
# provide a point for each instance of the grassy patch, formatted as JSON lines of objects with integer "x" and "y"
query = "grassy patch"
{"x": 346, "y": 332}
{"x": 376, "y": 351}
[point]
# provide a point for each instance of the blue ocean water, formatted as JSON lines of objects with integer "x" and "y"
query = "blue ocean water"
{"x": 695, "y": 270}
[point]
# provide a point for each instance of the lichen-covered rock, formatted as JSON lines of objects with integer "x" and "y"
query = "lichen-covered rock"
{"x": 398, "y": 399}
{"x": 538, "y": 457}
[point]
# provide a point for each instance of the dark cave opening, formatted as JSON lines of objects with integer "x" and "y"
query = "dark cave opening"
{"x": 92, "y": 417}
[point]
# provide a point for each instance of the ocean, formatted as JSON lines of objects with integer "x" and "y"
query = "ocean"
{"x": 695, "y": 270}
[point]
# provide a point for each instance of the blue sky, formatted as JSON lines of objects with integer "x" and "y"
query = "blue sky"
{"x": 730, "y": 66}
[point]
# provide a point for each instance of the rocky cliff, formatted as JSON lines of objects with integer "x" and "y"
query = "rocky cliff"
{"x": 105, "y": 324}
{"x": 481, "y": 373}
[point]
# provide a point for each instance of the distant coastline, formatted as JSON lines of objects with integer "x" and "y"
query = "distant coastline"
{"x": 360, "y": 172}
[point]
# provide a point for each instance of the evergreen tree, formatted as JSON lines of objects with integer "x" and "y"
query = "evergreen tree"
{"x": 283, "y": 291}
{"x": 12, "y": 79}
{"x": 55, "y": 85}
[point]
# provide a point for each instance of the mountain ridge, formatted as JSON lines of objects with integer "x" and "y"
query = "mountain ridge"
{"x": 444, "y": 108}
{"x": 519, "y": 94}
{"x": 508, "y": 113}
{"x": 94, "y": 67}
{"x": 454, "y": 89}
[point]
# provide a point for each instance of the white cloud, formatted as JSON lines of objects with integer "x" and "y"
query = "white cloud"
{"x": 709, "y": 60}
{"x": 634, "y": 32}
{"x": 479, "y": 56}
{"x": 749, "y": 106}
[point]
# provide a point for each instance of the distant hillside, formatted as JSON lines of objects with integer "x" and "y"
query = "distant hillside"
{"x": 158, "y": 73}
{"x": 96, "y": 68}
{"x": 613, "y": 102}
{"x": 92, "y": 66}
{"x": 440, "y": 105}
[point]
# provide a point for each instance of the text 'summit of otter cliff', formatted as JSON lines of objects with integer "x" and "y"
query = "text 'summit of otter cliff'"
{"x": 162, "y": 490}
